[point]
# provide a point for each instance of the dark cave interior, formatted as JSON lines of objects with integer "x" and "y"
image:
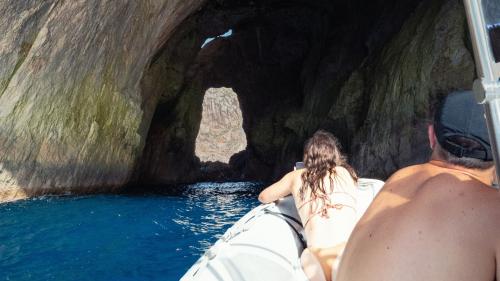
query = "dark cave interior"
{"x": 288, "y": 61}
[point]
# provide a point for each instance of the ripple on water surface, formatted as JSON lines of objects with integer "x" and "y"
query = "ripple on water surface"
{"x": 112, "y": 237}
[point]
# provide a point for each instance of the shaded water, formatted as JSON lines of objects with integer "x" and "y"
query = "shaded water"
{"x": 112, "y": 237}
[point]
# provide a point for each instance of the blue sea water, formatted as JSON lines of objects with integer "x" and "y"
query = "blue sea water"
{"x": 117, "y": 237}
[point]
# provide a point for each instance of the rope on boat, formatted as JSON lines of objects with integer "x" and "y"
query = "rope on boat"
{"x": 286, "y": 218}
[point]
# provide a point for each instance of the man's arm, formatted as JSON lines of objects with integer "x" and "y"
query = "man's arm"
{"x": 278, "y": 190}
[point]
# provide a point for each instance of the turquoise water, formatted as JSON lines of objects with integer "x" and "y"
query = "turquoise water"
{"x": 117, "y": 237}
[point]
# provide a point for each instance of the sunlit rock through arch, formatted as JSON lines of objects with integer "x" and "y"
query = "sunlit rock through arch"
{"x": 221, "y": 132}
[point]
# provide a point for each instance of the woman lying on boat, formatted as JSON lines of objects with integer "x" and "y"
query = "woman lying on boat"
{"x": 325, "y": 197}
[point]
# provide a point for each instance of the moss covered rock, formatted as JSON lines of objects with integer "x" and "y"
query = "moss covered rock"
{"x": 71, "y": 108}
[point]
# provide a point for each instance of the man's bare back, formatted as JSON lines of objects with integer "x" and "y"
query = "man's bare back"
{"x": 433, "y": 221}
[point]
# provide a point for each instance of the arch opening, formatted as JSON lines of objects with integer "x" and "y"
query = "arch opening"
{"x": 221, "y": 140}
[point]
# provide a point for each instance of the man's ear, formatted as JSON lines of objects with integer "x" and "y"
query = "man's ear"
{"x": 432, "y": 136}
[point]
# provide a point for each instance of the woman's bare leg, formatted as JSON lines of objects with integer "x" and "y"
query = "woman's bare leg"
{"x": 311, "y": 266}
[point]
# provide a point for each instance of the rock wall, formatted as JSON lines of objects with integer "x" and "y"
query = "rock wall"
{"x": 429, "y": 57}
{"x": 72, "y": 113}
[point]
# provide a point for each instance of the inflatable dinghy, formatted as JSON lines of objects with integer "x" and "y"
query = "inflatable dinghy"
{"x": 265, "y": 244}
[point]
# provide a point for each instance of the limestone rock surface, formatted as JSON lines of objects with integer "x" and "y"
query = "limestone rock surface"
{"x": 73, "y": 117}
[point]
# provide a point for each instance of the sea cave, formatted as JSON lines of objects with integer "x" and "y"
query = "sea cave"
{"x": 96, "y": 96}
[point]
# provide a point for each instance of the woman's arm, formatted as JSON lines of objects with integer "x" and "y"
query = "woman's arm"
{"x": 278, "y": 190}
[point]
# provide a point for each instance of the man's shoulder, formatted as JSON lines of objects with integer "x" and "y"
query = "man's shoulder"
{"x": 463, "y": 189}
{"x": 485, "y": 205}
{"x": 406, "y": 172}
{"x": 489, "y": 198}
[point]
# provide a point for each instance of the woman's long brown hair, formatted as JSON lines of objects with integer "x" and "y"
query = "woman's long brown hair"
{"x": 321, "y": 156}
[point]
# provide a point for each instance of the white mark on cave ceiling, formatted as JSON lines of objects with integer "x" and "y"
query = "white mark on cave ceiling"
{"x": 210, "y": 39}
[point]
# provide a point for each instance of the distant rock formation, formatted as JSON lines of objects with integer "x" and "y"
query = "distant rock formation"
{"x": 98, "y": 94}
{"x": 221, "y": 132}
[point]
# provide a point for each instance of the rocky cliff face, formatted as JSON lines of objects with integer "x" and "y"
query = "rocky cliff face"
{"x": 72, "y": 113}
{"x": 98, "y": 94}
{"x": 429, "y": 57}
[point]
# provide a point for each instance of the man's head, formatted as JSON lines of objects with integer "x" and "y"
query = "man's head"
{"x": 459, "y": 134}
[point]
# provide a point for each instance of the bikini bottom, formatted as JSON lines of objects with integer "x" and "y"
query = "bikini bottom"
{"x": 327, "y": 258}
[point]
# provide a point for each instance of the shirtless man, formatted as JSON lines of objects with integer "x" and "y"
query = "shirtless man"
{"x": 439, "y": 220}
